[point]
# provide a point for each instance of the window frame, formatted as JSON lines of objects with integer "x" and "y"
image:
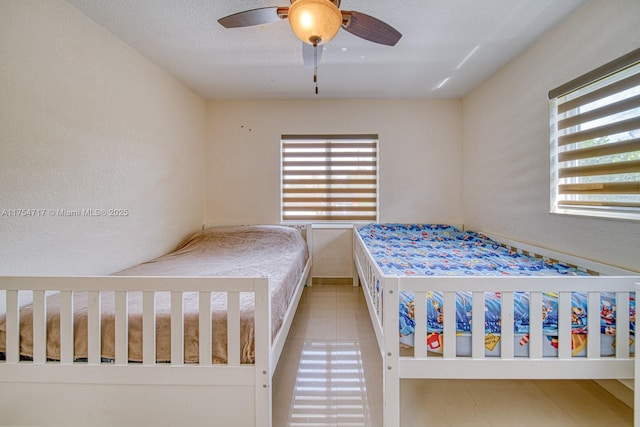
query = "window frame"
{"x": 341, "y": 217}
{"x": 567, "y": 145}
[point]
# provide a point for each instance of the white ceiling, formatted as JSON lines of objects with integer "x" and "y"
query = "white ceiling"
{"x": 460, "y": 41}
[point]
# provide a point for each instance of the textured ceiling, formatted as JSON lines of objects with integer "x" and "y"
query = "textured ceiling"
{"x": 448, "y": 46}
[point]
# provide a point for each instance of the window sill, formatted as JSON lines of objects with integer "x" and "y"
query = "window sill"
{"x": 599, "y": 214}
{"x": 342, "y": 225}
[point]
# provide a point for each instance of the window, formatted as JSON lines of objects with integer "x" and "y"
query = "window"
{"x": 329, "y": 178}
{"x": 595, "y": 142}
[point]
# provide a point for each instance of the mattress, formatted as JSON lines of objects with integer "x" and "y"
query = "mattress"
{"x": 248, "y": 251}
{"x": 444, "y": 250}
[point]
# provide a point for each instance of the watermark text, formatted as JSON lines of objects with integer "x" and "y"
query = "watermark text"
{"x": 63, "y": 213}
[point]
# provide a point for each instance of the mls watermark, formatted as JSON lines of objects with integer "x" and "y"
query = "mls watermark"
{"x": 63, "y": 213}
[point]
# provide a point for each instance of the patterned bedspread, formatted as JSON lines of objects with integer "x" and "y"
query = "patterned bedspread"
{"x": 444, "y": 250}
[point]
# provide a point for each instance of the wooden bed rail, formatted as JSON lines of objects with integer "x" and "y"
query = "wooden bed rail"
{"x": 507, "y": 286}
{"x": 96, "y": 373}
{"x": 450, "y": 365}
{"x": 149, "y": 286}
{"x": 125, "y": 350}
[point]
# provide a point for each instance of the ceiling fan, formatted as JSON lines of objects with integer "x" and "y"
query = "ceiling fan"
{"x": 316, "y": 22}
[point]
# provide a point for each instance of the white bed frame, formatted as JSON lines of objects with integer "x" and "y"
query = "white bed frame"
{"x": 382, "y": 291}
{"x": 147, "y": 393}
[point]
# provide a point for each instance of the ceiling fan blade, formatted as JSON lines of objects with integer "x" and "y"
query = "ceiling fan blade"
{"x": 263, "y": 15}
{"x": 372, "y": 29}
{"x": 307, "y": 54}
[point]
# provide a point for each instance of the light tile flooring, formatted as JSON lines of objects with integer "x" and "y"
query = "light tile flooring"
{"x": 329, "y": 374}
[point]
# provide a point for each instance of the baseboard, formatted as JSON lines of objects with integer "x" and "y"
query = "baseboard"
{"x": 620, "y": 389}
{"x": 332, "y": 281}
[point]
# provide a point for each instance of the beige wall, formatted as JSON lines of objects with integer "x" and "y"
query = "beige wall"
{"x": 87, "y": 123}
{"x": 506, "y": 138}
{"x": 420, "y": 156}
{"x": 332, "y": 252}
{"x": 420, "y": 146}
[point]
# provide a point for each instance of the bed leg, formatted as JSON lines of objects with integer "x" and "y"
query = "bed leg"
{"x": 390, "y": 358}
{"x": 262, "y": 363}
{"x": 356, "y": 278}
{"x": 391, "y": 397}
{"x": 636, "y": 382}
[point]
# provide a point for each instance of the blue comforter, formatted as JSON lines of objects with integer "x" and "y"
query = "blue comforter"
{"x": 444, "y": 250}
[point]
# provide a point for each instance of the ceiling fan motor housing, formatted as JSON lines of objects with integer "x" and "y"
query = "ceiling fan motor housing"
{"x": 315, "y": 22}
{"x": 336, "y": 2}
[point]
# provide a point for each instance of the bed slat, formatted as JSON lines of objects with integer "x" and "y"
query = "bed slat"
{"x": 204, "y": 337}
{"x": 13, "y": 328}
{"x": 420, "y": 331}
{"x": 622, "y": 325}
{"x": 535, "y": 325}
{"x": 379, "y": 291}
{"x": 449, "y": 325}
{"x": 94, "y": 317}
{"x": 39, "y": 327}
{"x": 66, "y": 327}
{"x": 148, "y": 328}
{"x": 477, "y": 325}
{"x": 177, "y": 328}
{"x": 122, "y": 327}
{"x": 564, "y": 325}
{"x": 506, "y": 330}
{"x": 377, "y": 301}
{"x": 233, "y": 329}
{"x": 593, "y": 325}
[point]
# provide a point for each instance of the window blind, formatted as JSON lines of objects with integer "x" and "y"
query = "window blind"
{"x": 329, "y": 178}
{"x": 596, "y": 142}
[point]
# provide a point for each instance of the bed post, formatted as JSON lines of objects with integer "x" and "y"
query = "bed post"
{"x": 354, "y": 242}
{"x": 390, "y": 359}
{"x": 309, "y": 238}
{"x": 356, "y": 278}
{"x": 262, "y": 347}
{"x": 636, "y": 381}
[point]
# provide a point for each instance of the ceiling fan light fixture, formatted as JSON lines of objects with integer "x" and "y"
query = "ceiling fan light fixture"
{"x": 315, "y": 21}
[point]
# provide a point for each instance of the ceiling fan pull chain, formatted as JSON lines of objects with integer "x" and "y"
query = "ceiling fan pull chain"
{"x": 315, "y": 65}
{"x": 315, "y": 41}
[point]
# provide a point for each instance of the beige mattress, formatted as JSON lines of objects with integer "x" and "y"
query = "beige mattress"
{"x": 253, "y": 251}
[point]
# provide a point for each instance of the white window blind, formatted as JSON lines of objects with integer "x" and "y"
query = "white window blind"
{"x": 595, "y": 142}
{"x": 329, "y": 178}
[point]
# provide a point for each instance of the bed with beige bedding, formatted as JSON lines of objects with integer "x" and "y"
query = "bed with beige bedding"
{"x": 268, "y": 251}
{"x": 192, "y": 287}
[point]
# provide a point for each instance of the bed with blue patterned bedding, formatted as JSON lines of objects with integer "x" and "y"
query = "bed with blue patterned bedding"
{"x": 444, "y": 250}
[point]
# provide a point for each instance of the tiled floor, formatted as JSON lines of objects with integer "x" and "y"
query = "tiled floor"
{"x": 329, "y": 374}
